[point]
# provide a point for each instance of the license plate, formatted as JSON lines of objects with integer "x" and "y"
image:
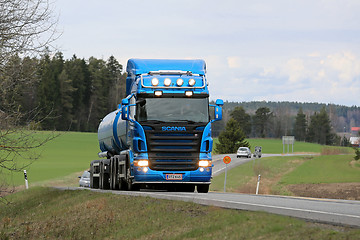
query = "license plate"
{"x": 173, "y": 176}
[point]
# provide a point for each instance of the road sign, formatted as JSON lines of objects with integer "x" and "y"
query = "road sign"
{"x": 287, "y": 140}
{"x": 227, "y": 159}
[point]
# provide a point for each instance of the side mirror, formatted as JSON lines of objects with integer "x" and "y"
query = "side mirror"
{"x": 125, "y": 102}
{"x": 124, "y": 112}
{"x": 219, "y": 102}
{"x": 218, "y": 113}
{"x": 217, "y": 110}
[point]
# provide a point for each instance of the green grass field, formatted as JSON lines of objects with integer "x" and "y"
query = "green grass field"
{"x": 44, "y": 213}
{"x": 68, "y": 153}
{"x": 324, "y": 169}
{"x": 243, "y": 178}
{"x": 276, "y": 146}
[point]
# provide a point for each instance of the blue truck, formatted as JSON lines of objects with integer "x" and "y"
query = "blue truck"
{"x": 160, "y": 135}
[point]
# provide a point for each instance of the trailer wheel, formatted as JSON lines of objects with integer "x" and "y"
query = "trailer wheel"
{"x": 111, "y": 175}
{"x": 94, "y": 182}
{"x": 203, "y": 188}
{"x": 114, "y": 180}
{"x": 104, "y": 177}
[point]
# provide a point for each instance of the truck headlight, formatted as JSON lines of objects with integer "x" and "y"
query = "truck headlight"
{"x": 141, "y": 163}
{"x": 204, "y": 163}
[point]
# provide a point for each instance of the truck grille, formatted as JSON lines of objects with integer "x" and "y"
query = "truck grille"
{"x": 173, "y": 151}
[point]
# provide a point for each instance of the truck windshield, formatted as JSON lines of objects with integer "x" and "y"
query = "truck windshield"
{"x": 172, "y": 109}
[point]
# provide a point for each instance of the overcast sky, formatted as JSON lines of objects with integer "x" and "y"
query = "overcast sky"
{"x": 281, "y": 50}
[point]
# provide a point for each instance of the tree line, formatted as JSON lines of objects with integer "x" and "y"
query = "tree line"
{"x": 342, "y": 117}
{"x": 59, "y": 94}
{"x": 265, "y": 123}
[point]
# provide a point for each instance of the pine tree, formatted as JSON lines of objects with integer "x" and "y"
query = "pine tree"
{"x": 243, "y": 119}
{"x": 261, "y": 121}
{"x": 66, "y": 101}
{"x": 300, "y": 126}
{"x": 319, "y": 130}
{"x": 117, "y": 81}
{"x": 231, "y": 138}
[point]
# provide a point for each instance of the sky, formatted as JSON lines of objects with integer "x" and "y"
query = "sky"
{"x": 278, "y": 50}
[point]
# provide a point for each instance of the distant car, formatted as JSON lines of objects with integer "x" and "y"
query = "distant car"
{"x": 243, "y": 152}
{"x": 84, "y": 179}
{"x": 257, "y": 152}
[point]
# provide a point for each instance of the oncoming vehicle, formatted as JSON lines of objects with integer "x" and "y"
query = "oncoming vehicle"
{"x": 257, "y": 152}
{"x": 84, "y": 179}
{"x": 243, "y": 152}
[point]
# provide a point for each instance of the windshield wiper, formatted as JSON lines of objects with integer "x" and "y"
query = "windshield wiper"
{"x": 152, "y": 121}
{"x": 187, "y": 121}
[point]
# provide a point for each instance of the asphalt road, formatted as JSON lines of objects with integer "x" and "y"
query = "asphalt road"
{"x": 339, "y": 212}
{"x": 219, "y": 165}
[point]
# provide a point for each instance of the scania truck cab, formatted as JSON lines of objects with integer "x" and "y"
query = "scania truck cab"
{"x": 160, "y": 135}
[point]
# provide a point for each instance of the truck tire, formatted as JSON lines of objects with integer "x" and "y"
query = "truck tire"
{"x": 130, "y": 185}
{"x": 114, "y": 180}
{"x": 203, "y": 188}
{"x": 189, "y": 188}
{"x": 94, "y": 181}
{"x": 104, "y": 177}
{"x": 183, "y": 188}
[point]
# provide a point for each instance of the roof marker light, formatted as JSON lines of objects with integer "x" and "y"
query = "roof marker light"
{"x": 179, "y": 82}
{"x": 167, "y": 82}
{"x": 192, "y": 82}
{"x": 158, "y": 93}
{"x": 154, "y": 82}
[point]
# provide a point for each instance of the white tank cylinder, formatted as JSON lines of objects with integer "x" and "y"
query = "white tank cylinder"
{"x": 112, "y": 133}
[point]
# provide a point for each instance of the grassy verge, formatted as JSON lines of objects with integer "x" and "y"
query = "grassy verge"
{"x": 324, "y": 169}
{"x": 42, "y": 213}
{"x": 278, "y": 172}
{"x": 243, "y": 179}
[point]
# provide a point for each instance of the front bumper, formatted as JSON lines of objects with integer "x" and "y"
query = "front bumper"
{"x": 199, "y": 176}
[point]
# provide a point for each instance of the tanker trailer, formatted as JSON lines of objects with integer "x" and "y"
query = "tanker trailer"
{"x": 160, "y": 135}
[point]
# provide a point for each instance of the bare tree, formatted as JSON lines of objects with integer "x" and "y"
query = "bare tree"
{"x": 27, "y": 27}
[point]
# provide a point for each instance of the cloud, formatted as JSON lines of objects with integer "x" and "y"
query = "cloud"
{"x": 329, "y": 78}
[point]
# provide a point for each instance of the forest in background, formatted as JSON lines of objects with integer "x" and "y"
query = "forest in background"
{"x": 75, "y": 94}
{"x": 59, "y": 94}
{"x": 342, "y": 118}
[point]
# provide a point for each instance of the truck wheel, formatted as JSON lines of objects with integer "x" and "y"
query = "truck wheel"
{"x": 130, "y": 185}
{"x": 187, "y": 188}
{"x": 203, "y": 188}
{"x": 106, "y": 183}
{"x": 111, "y": 174}
{"x": 94, "y": 182}
{"x": 114, "y": 173}
{"x": 104, "y": 177}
